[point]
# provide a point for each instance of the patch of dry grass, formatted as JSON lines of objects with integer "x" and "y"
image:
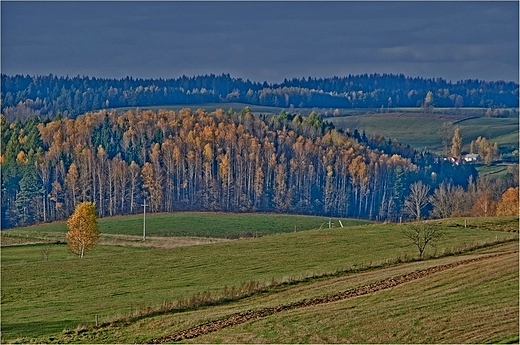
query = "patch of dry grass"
{"x": 156, "y": 241}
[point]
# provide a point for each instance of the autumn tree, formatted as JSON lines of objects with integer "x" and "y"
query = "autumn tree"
{"x": 456, "y": 143}
{"x": 71, "y": 183}
{"x": 486, "y": 149}
{"x": 508, "y": 205}
{"x": 83, "y": 232}
{"x": 151, "y": 186}
{"x": 484, "y": 205}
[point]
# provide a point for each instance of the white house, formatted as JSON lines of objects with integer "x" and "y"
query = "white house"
{"x": 472, "y": 157}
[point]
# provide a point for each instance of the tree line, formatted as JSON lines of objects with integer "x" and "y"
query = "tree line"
{"x": 27, "y": 96}
{"x": 221, "y": 161}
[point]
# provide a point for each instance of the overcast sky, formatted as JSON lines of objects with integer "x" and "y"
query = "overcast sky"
{"x": 261, "y": 41}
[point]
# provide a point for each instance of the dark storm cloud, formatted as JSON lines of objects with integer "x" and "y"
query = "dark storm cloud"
{"x": 261, "y": 40}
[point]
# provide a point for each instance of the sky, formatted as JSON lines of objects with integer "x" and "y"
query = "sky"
{"x": 261, "y": 41}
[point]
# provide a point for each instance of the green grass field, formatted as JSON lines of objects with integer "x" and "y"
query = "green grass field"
{"x": 502, "y": 130}
{"x": 493, "y": 171}
{"x": 41, "y": 298}
{"x": 472, "y": 304}
{"x": 197, "y": 224}
{"x": 422, "y": 130}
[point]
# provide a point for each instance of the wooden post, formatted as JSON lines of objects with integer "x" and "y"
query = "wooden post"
{"x": 144, "y": 220}
{"x": 96, "y": 320}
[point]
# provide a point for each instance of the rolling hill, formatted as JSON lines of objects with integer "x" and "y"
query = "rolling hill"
{"x": 148, "y": 292}
{"x": 423, "y": 131}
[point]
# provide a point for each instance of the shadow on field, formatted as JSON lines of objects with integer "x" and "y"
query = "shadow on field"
{"x": 19, "y": 330}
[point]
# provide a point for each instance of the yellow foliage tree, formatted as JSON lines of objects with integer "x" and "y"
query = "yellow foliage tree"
{"x": 508, "y": 205}
{"x": 487, "y": 150}
{"x": 83, "y": 232}
{"x": 456, "y": 141}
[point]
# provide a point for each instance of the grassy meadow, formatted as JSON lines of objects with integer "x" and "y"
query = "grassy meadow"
{"x": 46, "y": 289}
{"x": 184, "y": 224}
{"x": 422, "y": 130}
{"x": 471, "y": 304}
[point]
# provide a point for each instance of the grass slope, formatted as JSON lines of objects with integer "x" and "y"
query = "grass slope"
{"x": 477, "y": 303}
{"x": 422, "y": 130}
{"x": 199, "y": 224}
{"x": 295, "y": 329}
{"x": 41, "y": 297}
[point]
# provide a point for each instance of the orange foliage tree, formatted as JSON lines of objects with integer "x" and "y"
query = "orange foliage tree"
{"x": 83, "y": 232}
{"x": 508, "y": 205}
{"x": 484, "y": 205}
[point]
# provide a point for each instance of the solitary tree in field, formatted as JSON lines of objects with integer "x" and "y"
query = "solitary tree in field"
{"x": 83, "y": 229}
{"x": 422, "y": 234}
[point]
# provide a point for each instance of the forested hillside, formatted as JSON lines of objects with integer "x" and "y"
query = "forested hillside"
{"x": 23, "y": 97}
{"x": 193, "y": 160}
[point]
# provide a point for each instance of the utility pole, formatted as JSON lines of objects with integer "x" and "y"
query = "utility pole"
{"x": 144, "y": 219}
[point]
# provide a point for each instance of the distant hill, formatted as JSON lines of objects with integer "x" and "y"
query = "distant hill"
{"x": 195, "y": 160}
{"x": 27, "y": 96}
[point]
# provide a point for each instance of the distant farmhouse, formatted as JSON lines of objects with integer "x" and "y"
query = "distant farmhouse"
{"x": 469, "y": 158}
{"x": 453, "y": 160}
{"x": 472, "y": 157}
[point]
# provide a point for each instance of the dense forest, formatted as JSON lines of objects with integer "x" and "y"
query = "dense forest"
{"x": 224, "y": 161}
{"x": 24, "y": 97}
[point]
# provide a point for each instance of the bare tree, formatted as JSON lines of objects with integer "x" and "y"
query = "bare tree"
{"x": 441, "y": 201}
{"x": 45, "y": 252}
{"x": 447, "y": 200}
{"x": 417, "y": 199}
{"x": 422, "y": 234}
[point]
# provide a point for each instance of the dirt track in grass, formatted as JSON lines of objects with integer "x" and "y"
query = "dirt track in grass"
{"x": 243, "y": 317}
